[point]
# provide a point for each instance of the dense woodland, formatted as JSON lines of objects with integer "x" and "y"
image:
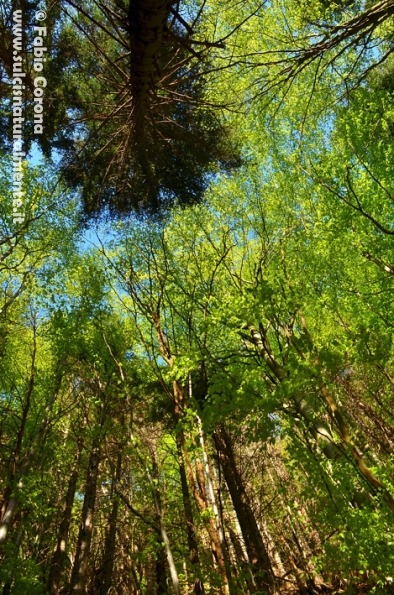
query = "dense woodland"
{"x": 196, "y": 314}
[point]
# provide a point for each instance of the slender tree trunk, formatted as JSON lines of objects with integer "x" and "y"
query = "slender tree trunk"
{"x": 160, "y": 523}
{"x": 60, "y": 554}
{"x": 161, "y": 572}
{"x": 199, "y": 492}
{"x": 211, "y": 499}
{"x": 79, "y": 574}
{"x": 105, "y": 579}
{"x": 242, "y": 558}
{"x": 198, "y": 586}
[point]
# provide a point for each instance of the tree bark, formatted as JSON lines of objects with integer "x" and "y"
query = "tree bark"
{"x": 198, "y": 586}
{"x": 105, "y": 578}
{"x": 160, "y": 522}
{"x": 60, "y": 555}
{"x": 79, "y": 574}
{"x": 258, "y": 556}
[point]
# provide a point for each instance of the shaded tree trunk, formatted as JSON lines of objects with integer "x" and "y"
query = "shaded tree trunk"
{"x": 79, "y": 574}
{"x": 257, "y": 552}
{"x": 105, "y": 578}
{"x": 60, "y": 555}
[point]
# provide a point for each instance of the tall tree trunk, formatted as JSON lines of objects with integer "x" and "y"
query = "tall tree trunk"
{"x": 79, "y": 574}
{"x": 60, "y": 555}
{"x": 199, "y": 492}
{"x": 160, "y": 523}
{"x": 105, "y": 579}
{"x": 8, "y": 584}
{"x": 198, "y": 586}
{"x": 161, "y": 572}
{"x": 211, "y": 498}
{"x": 258, "y": 556}
{"x": 242, "y": 559}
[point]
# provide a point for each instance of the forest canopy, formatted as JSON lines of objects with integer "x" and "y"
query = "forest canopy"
{"x": 196, "y": 307}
